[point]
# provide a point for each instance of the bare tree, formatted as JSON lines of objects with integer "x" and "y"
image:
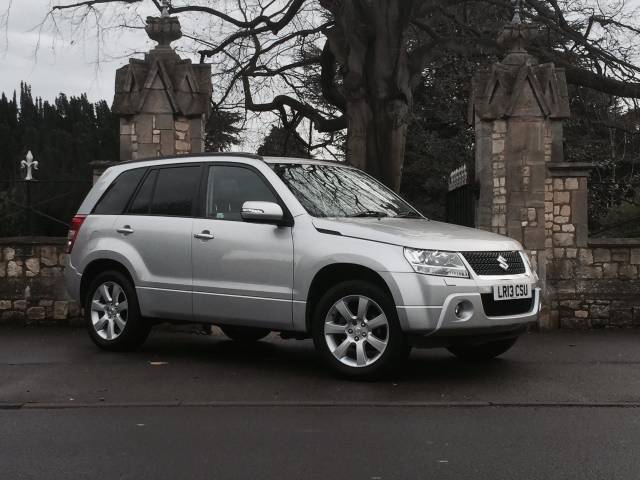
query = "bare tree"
{"x": 370, "y": 55}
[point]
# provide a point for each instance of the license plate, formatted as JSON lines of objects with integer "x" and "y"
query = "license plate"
{"x": 511, "y": 291}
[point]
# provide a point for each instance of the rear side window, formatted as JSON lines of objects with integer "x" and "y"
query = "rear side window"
{"x": 140, "y": 204}
{"x": 175, "y": 190}
{"x": 115, "y": 199}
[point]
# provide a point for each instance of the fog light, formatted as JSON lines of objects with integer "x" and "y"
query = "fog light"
{"x": 463, "y": 310}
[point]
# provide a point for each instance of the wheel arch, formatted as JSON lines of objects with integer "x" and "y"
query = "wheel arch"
{"x": 326, "y": 278}
{"x": 100, "y": 265}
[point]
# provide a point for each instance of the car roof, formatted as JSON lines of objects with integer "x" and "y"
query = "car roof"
{"x": 300, "y": 161}
{"x": 193, "y": 157}
{"x": 198, "y": 157}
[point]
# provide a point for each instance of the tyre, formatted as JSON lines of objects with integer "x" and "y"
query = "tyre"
{"x": 112, "y": 313}
{"x": 245, "y": 334}
{"x": 356, "y": 330}
{"x": 482, "y": 351}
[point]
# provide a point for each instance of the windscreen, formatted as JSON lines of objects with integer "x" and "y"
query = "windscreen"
{"x": 337, "y": 191}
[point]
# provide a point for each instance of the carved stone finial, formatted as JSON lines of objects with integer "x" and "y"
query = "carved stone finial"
{"x": 29, "y": 164}
{"x": 164, "y": 29}
{"x": 516, "y": 4}
{"x": 515, "y": 36}
{"x": 164, "y": 12}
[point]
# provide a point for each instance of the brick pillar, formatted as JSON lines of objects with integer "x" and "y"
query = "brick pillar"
{"x": 163, "y": 101}
{"x": 517, "y": 108}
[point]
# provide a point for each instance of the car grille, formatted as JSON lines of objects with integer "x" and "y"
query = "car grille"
{"x": 486, "y": 263}
{"x": 506, "y": 307}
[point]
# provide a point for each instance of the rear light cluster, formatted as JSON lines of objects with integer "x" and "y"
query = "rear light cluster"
{"x": 76, "y": 223}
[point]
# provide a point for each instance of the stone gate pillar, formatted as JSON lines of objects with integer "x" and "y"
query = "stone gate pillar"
{"x": 517, "y": 108}
{"x": 163, "y": 101}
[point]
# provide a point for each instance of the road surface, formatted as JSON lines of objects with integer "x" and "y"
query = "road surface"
{"x": 558, "y": 405}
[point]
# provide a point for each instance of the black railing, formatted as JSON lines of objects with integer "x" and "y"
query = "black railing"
{"x": 461, "y": 206}
{"x": 461, "y": 198}
{"x": 39, "y": 207}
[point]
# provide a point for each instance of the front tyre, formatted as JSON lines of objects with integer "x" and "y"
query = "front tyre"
{"x": 482, "y": 351}
{"x": 112, "y": 314}
{"x": 356, "y": 330}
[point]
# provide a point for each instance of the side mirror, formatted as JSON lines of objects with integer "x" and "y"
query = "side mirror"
{"x": 267, "y": 212}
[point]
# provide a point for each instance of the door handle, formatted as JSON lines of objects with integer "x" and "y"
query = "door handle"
{"x": 204, "y": 235}
{"x": 126, "y": 229}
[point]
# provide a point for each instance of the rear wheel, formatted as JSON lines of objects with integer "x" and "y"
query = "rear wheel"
{"x": 112, "y": 314}
{"x": 482, "y": 351}
{"x": 356, "y": 330}
{"x": 245, "y": 334}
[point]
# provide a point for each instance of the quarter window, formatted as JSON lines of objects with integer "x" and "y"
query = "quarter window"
{"x": 228, "y": 187}
{"x": 114, "y": 201}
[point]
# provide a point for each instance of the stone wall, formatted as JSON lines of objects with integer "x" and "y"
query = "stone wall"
{"x": 590, "y": 283}
{"x": 32, "y": 288}
{"x": 595, "y": 286}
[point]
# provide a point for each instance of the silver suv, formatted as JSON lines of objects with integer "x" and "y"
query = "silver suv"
{"x": 302, "y": 247}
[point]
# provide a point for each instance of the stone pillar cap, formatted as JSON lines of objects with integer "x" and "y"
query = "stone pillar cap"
{"x": 570, "y": 169}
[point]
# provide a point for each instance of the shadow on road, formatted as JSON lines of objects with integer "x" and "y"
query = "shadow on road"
{"x": 287, "y": 358}
{"x": 63, "y": 365}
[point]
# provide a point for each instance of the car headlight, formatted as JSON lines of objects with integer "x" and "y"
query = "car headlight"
{"x": 435, "y": 262}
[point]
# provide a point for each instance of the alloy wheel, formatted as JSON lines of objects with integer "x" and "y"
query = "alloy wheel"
{"x": 109, "y": 310}
{"x": 356, "y": 330}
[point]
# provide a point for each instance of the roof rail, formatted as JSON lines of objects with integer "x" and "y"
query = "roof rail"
{"x": 203, "y": 154}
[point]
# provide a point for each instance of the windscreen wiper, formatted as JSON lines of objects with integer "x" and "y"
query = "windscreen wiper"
{"x": 369, "y": 213}
{"x": 409, "y": 214}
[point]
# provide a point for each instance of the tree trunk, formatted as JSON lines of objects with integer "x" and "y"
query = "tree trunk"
{"x": 376, "y": 140}
{"x": 369, "y": 41}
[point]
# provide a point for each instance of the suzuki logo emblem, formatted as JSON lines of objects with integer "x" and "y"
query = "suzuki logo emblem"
{"x": 503, "y": 262}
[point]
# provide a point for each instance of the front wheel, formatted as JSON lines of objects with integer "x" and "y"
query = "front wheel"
{"x": 112, "y": 314}
{"x": 356, "y": 330}
{"x": 482, "y": 351}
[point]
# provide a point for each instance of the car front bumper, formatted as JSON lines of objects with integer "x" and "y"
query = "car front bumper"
{"x": 426, "y": 305}
{"x": 443, "y": 320}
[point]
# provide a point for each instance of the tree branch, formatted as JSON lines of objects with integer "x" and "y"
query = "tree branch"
{"x": 274, "y": 26}
{"x": 279, "y": 103}
{"x": 90, "y": 3}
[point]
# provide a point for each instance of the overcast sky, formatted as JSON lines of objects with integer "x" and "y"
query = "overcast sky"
{"x": 77, "y": 58}
{"x": 67, "y": 61}
{"x": 64, "y": 62}
{"x": 66, "y": 53}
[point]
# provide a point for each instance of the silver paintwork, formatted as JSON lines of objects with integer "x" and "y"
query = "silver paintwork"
{"x": 259, "y": 274}
{"x": 356, "y": 339}
{"x": 109, "y": 310}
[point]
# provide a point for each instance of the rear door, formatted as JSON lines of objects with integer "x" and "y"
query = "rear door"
{"x": 157, "y": 229}
{"x": 242, "y": 271}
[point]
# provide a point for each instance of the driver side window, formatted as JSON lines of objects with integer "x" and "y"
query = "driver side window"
{"x": 228, "y": 187}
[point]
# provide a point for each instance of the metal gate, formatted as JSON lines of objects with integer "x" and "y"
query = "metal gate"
{"x": 39, "y": 207}
{"x": 461, "y": 198}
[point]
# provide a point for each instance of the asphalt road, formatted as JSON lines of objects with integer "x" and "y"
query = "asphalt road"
{"x": 558, "y": 405}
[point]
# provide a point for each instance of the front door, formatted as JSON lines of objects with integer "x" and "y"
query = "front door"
{"x": 242, "y": 271}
